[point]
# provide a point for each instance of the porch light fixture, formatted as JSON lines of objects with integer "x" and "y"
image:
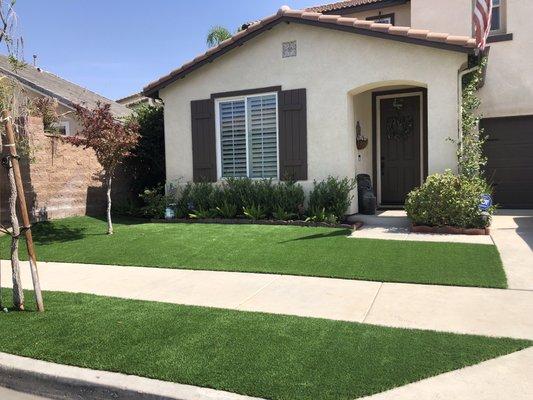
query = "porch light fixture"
{"x": 360, "y": 140}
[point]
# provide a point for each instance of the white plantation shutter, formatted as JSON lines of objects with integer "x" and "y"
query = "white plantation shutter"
{"x": 249, "y": 137}
{"x": 262, "y": 136}
{"x": 233, "y": 138}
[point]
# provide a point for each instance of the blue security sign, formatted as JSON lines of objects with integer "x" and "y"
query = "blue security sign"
{"x": 486, "y": 202}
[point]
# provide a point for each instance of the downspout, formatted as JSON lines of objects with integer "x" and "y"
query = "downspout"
{"x": 460, "y": 77}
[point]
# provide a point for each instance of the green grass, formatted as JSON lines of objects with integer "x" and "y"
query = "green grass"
{"x": 264, "y": 355}
{"x": 268, "y": 249}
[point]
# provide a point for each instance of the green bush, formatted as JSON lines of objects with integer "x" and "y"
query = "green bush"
{"x": 288, "y": 200}
{"x": 320, "y": 215}
{"x": 254, "y": 212}
{"x": 146, "y": 164}
{"x": 331, "y": 196}
{"x": 127, "y": 207}
{"x": 227, "y": 210}
{"x": 154, "y": 202}
{"x": 449, "y": 199}
{"x": 198, "y": 197}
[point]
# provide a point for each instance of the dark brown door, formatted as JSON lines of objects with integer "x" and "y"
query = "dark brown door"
{"x": 399, "y": 148}
{"x": 509, "y": 152}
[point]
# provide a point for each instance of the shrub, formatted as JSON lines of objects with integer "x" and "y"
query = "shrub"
{"x": 288, "y": 200}
{"x": 254, "y": 212}
{"x": 449, "y": 199}
{"x": 332, "y": 195}
{"x": 283, "y": 198}
{"x": 281, "y": 214}
{"x": 127, "y": 207}
{"x": 146, "y": 164}
{"x": 320, "y": 215}
{"x": 245, "y": 192}
{"x": 227, "y": 210}
{"x": 154, "y": 202}
{"x": 197, "y": 197}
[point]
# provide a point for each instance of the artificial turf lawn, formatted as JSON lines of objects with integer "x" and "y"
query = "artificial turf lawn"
{"x": 264, "y": 355}
{"x": 269, "y": 249}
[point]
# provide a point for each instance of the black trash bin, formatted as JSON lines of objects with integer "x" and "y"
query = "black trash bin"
{"x": 365, "y": 195}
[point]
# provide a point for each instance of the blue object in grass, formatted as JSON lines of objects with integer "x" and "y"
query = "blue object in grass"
{"x": 486, "y": 202}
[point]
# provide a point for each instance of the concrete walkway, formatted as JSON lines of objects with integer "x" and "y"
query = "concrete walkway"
{"x": 393, "y": 233}
{"x": 490, "y": 312}
{"x": 512, "y": 232}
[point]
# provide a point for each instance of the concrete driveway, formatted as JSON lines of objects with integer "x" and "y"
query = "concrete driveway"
{"x": 512, "y": 232}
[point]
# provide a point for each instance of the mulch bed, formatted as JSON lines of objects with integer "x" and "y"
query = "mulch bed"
{"x": 449, "y": 230}
{"x": 236, "y": 221}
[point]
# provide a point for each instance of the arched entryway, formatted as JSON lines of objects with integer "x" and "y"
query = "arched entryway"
{"x": 393, "y": 117}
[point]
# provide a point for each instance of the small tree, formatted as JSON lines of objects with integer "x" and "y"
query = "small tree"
{"x": 112, "y": 140}
{"x": 216, "y": 35}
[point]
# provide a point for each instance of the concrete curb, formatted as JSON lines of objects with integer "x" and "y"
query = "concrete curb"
{"x": 58, "y": 381}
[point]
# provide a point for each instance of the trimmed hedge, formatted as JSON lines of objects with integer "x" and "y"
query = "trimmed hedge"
{"x": 253, "y": 199}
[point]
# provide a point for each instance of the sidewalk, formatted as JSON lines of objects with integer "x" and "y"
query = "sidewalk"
{"x": 512, "y": 232}
{"x": 490, "y": 312}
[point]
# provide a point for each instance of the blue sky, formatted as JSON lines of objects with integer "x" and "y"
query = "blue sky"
{"x": 115, "y": 47}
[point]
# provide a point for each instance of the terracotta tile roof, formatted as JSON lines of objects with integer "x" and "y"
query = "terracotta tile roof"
{"x": 386, "y": 31}
{"x": 340, "y": 5}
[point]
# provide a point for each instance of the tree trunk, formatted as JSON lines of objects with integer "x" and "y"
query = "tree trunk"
{"x": 18, "y": 293}
{"x": 109, "y": 222}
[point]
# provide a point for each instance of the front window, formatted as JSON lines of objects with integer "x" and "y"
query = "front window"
{"x": 248, "y": 136}
{"x": 497, "y": 24}
{"x": 61, "y": 128}
{"x": 382, "y": 19}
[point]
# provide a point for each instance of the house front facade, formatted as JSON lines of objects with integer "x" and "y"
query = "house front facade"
{"x": 295, "y": 95}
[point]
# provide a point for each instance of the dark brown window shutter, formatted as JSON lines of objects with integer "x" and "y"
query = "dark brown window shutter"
{"x": 204, "y": 149}
{"x": 292, "y": 134}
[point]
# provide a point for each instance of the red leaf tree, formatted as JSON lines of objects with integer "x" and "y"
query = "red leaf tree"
{"x": 112, "y": 140}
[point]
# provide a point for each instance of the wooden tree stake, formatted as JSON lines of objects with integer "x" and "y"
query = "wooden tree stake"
{"x": 23, "y": 208}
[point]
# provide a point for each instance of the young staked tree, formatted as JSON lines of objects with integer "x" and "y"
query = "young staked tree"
{"x": 112, "y": 140}
{"x": 10, "y": 101}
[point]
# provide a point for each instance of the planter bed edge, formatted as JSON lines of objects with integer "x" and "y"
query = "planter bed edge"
{"x": 449, "y": 230}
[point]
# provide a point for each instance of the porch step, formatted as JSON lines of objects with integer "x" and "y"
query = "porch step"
{"x": 386, "y": 218}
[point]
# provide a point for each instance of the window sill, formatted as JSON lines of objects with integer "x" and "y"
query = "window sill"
{"x": 500, "y": 37}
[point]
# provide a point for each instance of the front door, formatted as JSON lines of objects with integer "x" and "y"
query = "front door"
{"x": 399, "y": 121}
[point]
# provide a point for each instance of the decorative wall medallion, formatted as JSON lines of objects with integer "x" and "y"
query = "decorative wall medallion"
{"x": 288, "y": 49}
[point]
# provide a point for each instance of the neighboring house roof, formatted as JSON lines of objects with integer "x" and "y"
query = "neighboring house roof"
{"x": 66, "y": 93}
{"x": 135, "y": 99}
{"x": 342, "y": 5}
{"x": 369, "y": 28}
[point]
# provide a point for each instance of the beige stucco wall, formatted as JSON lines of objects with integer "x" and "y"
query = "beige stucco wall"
{"x": 402, "y": 14}
{"x": 451, "y": 16}
{"x": 508, "y": 89}
{"x": 509, "y": 86}
{"x": 333, "y": 66}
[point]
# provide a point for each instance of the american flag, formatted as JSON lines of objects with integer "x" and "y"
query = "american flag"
{"x": 482, "y": 19}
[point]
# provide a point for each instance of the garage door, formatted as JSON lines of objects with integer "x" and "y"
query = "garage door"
{"x": 509, "y": 150}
